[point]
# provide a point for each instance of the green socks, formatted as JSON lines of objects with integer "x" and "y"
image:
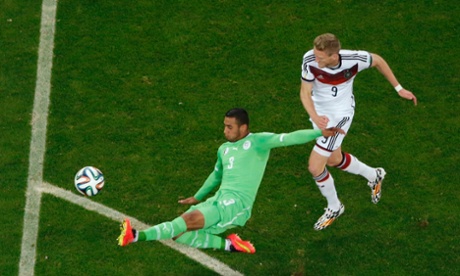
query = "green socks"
{"x": 201, "y": 239}
{"x": 163, "y": 231}
{"x": 171, "y": 229}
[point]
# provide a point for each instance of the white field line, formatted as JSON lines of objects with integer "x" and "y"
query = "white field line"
{"x": 90, "y": 205}
{"x": 38, "y": 140}
{"x": 35, "y": 185}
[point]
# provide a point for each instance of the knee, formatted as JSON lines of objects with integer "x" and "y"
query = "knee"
{"x": 315, "y": 170}
{"x": 194, "y": 220}
{"x": 317, "y": 163}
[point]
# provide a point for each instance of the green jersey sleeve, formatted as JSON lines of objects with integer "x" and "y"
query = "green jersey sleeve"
{"x": 214, "y": 179}
{"x": 273, "y": 140}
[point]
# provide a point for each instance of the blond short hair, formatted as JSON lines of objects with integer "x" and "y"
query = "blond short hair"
{"x": 328, "y": 43}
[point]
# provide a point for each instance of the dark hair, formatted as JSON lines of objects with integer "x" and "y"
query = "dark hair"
{"x": 241, "y": 116}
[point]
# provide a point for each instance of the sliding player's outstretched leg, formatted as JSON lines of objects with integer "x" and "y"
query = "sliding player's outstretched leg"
{"x": 238, "y": 245}
{"x": 127, "y": 233}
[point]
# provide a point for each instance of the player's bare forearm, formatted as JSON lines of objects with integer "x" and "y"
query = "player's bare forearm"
{"x": 305, "y": 98}
{"x": 307, "y": 102}
{"x": 332, "y": 131}
{"x": 383, "y": 67}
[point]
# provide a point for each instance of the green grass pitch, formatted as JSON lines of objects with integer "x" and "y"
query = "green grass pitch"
{"x": 139, "y": 90}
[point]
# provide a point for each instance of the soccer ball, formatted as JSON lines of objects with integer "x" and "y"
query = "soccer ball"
{"x": 89, "y": 181}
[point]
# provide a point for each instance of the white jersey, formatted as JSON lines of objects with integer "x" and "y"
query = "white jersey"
{"x": 333, "y": 87}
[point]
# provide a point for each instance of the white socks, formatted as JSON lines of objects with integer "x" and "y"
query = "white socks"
{"x": 352, "y": 165}
{"x": 326, "y": 186}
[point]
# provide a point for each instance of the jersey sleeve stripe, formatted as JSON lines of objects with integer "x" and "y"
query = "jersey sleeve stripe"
{"x": 282, "y": 137}
{"x": 363, "y": 58}
{"x": 308, "y": 59}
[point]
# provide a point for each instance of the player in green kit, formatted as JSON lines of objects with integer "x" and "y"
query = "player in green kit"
{"x": 239, "y": 170}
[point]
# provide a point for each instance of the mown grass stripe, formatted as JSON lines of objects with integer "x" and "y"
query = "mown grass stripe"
{"x": 38, "y": 140}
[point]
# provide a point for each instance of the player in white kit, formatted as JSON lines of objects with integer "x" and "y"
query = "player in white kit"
{"x": 326, "y": 93}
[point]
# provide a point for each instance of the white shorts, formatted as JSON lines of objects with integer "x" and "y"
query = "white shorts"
{"x": 326, "y": 145}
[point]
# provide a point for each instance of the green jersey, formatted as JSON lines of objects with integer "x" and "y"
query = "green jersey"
{"x": 241, "y": 165}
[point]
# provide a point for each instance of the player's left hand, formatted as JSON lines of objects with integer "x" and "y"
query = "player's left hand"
{"x": 406, "y": 94}
{"x": 190, "y": 201}
{"x": 332, "y": 131}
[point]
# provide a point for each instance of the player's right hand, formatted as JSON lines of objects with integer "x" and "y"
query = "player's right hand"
{"x": 321, "y": 121}
{"x": 190, "y": 201}
{"x": 406, "y": 94}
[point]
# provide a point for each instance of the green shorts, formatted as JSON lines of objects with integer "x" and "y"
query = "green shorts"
{"x": 223, "y": 211}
